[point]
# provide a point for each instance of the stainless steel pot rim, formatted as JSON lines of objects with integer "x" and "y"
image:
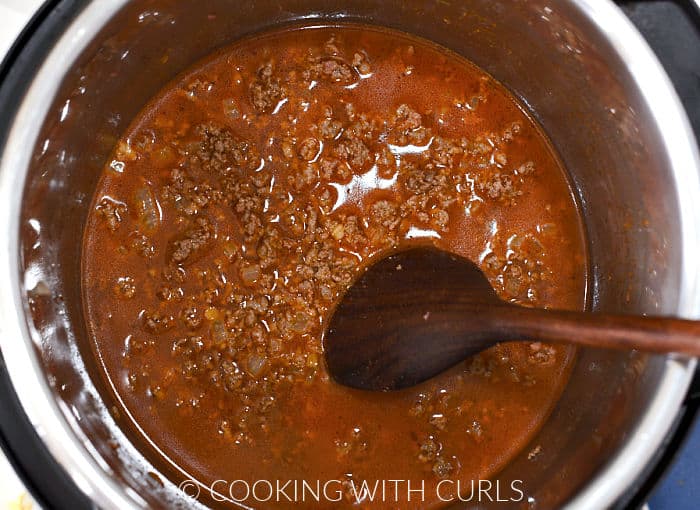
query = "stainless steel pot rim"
{"x": 71, "y": 449}
{"x": 24, "y": 368}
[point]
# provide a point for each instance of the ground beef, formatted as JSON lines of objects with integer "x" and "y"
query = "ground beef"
{"x": 445, "y": 152}
{"x": 266, "y": 91}
{"x": 354, "y": 151}
{"x": 407, "y": 119}
{"x": 498, "y": 187}
{"x": 542, "y": 354}
{"x": 198, "y": 87}
{"x": 156, "y": 322}
{"x": 333, "y": 170}
{"x": 220, "y": 151}
{"x": 111, "y": 211}
{"x": 440, "y": 219}
{"x": 330, "y": 128}
{"x": 515, "y": 280}
{"x": 125, "y": 287}
{"x": 309, "y": 149}
{"x": 334, "y": 70}
{"x": 191, "y": 317}
{"x": 428, "y": 450}
{"x": 510, "y": 132}
{"x": 525, "y": 168}
{"x": 360, "y": 62}
{"x": 141, "y": 244}
{"x": 193, "y": 240}
{"x": 423, "y": 180}
{"x": 442, "y": 468}
{"x": 385, "y": 213}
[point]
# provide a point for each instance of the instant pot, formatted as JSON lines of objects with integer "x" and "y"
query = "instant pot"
{"x": 84, "y": 69}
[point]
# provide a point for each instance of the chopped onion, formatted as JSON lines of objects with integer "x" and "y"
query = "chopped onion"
{"x": 300, "y": 323}
{"x": 250, "y": 273}
{"x": 147, "y": 208}
{"x": 256, "y": 364}
{"x": 219, "y": 332}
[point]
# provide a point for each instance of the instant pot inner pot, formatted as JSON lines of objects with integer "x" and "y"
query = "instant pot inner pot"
{"x": 556, "y": 61}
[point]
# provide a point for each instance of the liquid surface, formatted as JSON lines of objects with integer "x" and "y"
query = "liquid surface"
{"x": 244, "y": 200}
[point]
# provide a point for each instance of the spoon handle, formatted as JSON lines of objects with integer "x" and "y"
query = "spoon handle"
{"x": 650, "y": 334}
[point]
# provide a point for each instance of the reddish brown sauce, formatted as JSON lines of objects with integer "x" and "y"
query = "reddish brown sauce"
{"x": 246, "y": 197}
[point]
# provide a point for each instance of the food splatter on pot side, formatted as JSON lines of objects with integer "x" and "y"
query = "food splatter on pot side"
{"x": 245, "y": 198}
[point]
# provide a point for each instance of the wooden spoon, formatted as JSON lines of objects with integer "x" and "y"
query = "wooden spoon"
{"x": 416, "y": 313}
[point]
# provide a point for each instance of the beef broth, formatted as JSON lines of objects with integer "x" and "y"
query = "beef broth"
{"x": 242, "y": 202}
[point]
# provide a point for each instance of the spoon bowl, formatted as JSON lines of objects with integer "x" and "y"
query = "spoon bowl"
{"x": 418, "y": 312}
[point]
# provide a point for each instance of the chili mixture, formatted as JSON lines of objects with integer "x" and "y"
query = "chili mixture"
{"x": 243, "y": 201}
